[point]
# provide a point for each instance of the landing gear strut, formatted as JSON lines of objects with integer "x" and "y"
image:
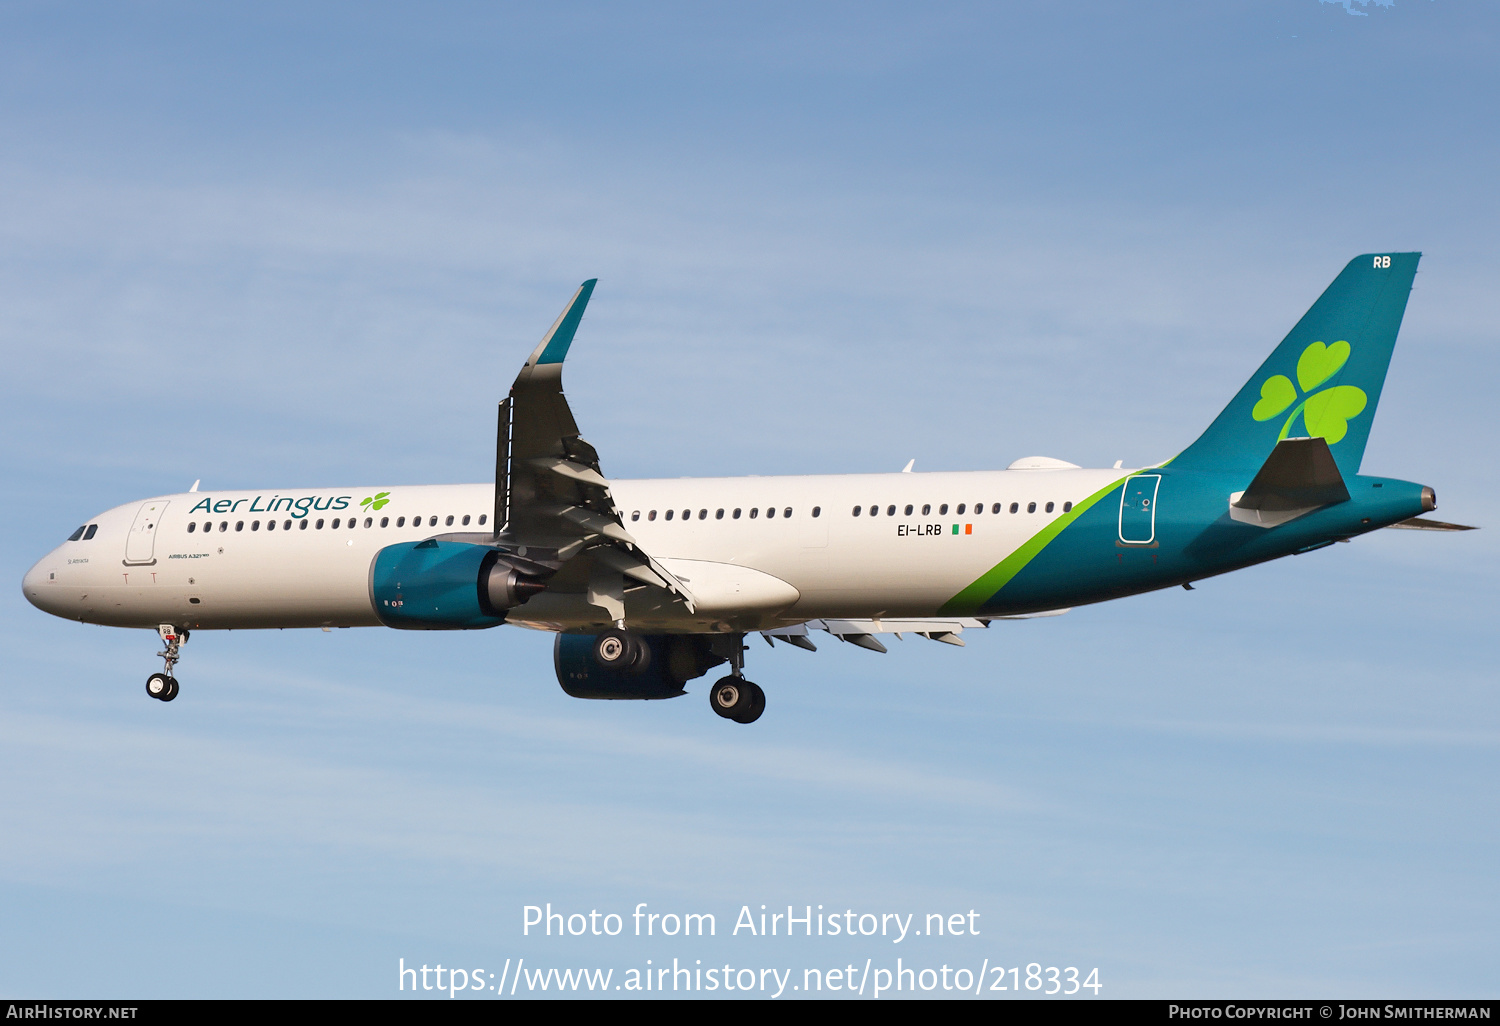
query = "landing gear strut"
{"x": 734, "y": 697}
{"x": 163, "y": 686}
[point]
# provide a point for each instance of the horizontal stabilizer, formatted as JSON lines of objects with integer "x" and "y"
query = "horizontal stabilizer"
{"x": 1299, "y": 474}
{"x": 1423, "y": 524}
{"x": 1298, "y": 477}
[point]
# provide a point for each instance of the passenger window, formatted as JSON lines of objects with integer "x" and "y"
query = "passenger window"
{"x": 449, "y": 521}
{"x": 652, "y": 514}
{"x": 687, "y": 514}
{"x": 960, "y": 510}
{"x": 890, "y": 511}
{"x": 400, "y": 521}
{"x": 787, "y": 512}
{"x": 76, "y": 535}
{"x": 770, "y": 511}
{"x": 302, "y": 525}
{"x": 669, "y": 514}
{"x": 223, "y": 526}
{"x": 908, "y": 509}
{"x": 255, "y": 525}
{"x": 482, "y": 518}
{"x": 385, "y": 521}
{"x": 719, "y": 515}
{"x": 466, "y": 520}
{"x": 817, "y": 511}
{"x": 369, "y": 521}
{"x": 319, "y": 525}
{"x": 333, "y": 526}
{"x": 1067, "y": 507}
{"x": 978, "y": 508}
{"x": 736, "y": 513}
{"x": 634, "y": 516}
{"x": 927, "y": 509}
{"x": 943, "y": 509}
{"x": 270, "y": 525}
{"x": 857, "y": 511}
{"x": 1015, "y": 507}
{"x": 239, "y": 525}
{"x": 192, "y": 526}
{"x": 703, "y": 514}
{"x": 286, "y": 526}
{"x": 1049, "y": 507}
{"x": 874, "y": 511}
{"x": 996, "y": 507}
{"x": 1031, "y": 507}
{"x": 756, "y": 512}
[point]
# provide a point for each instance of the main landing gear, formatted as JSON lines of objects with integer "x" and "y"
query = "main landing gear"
{"x": 163, "y": 686}
{"x": 622, "y": 650}
{"x": 734, "y": 697}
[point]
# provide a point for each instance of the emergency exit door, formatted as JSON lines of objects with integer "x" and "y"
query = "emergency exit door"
{"x": 1138, "y": 509}
{"x": 140, "y": 544}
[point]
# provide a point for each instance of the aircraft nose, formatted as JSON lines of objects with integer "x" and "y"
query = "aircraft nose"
{"x": 39, "y": 589}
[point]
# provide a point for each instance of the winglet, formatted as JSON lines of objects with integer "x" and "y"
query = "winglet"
{"x": 554, "y": 345}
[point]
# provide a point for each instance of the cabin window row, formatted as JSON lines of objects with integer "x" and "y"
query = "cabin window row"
{"x": 958, "y": 510}
{"x": 336, "y": 523}
{"x": 720, "y": 514}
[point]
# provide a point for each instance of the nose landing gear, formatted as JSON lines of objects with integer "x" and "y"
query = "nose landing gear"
{"x": 163, "y": 686}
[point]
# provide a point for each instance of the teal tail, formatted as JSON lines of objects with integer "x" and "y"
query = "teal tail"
{"x": 1324, "y": 380}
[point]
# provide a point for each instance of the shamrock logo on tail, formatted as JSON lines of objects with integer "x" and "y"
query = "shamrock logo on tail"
{"x": 379, "y": 499}
{"x": 1326, "y": 413}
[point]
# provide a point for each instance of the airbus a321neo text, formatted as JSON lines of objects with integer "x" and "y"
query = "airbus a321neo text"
{"x": 650, "y": 584}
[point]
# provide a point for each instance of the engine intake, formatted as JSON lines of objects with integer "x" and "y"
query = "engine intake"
{"x": 441, "y": 585}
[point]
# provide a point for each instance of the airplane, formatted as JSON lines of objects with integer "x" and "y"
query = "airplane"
{"x": 649, "y": 584}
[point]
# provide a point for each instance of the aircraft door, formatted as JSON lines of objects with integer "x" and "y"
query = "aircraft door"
{"x": 140, "y": 544}
{"x": 1138, "y": 509}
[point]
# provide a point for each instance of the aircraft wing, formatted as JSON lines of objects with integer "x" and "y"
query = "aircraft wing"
{"x": 553, "y": 504}
{"x": 862, "y": 632}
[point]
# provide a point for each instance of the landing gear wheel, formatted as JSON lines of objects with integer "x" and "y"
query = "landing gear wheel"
{"x": 735, "y": 698}
{"x": 171, "y": 690}
{"x": 621, "y": 650}
{"x": 757, "y": 704}
{"x": 728, "y": 697}
{"x": 159, "y": 686}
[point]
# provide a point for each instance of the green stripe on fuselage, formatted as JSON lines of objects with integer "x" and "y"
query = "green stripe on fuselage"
{"x": 971, "y": 598}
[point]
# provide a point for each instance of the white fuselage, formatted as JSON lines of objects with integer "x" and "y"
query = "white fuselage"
{"x": 206, "y": 560}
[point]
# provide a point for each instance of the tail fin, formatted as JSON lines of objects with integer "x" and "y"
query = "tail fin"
{"x": 1324, "y": 380}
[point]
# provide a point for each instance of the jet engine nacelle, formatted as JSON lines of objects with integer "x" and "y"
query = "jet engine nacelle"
{"x": 438, "y": 585}
{"x": 675, "y": 659}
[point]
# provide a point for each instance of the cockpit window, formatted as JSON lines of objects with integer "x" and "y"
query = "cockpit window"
{"x": 90, "y": 532}
{"x": 77, "y": 534}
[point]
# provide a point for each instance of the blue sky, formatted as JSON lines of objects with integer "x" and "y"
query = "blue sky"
{"x": 293, "y": 246}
